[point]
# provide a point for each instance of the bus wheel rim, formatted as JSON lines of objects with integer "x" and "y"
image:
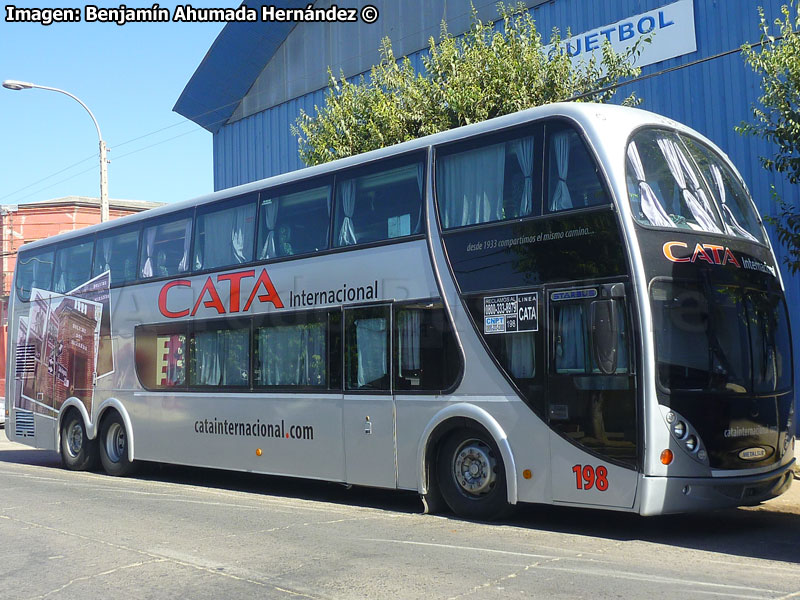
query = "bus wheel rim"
{"x": 474, "y": 468}
{"x": 74, "y": 439}
{"x": 115, "y": 442}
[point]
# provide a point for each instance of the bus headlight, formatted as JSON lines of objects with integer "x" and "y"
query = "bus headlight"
{"x": 691, "y": 443}
{"x": 679, "y": 429}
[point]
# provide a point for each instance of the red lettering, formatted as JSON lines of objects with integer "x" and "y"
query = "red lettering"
{"x": 270, "y": 296}
{"x": 214, "y": 302}
{"x": 667, "y": 249}
{"x": 162, "y": 299}
{"x": 701, "y": 254}
{"x": 715, "y": 250}
{"x": 236, "y": 280}
{"x": 730, "y": 257}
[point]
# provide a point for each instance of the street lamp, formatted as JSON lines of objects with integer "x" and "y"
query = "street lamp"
{"x": 12, "y": 84}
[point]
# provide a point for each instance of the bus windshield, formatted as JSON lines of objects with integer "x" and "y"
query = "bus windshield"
{"x": 720, "y": 338}
{"x": 675, "y": 181}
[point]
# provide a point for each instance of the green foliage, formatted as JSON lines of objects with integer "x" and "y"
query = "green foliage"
{"x": 485, "y": 73}
{"x": 777, "y": 115}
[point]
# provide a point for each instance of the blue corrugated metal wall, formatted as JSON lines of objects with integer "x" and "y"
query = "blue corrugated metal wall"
{"x": 711, "y": 97}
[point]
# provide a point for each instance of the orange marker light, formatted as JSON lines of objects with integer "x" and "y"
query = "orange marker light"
{"x": 666, "y": 457}
{"x": 527, "y": 474}
{"x": 258, "y": 451}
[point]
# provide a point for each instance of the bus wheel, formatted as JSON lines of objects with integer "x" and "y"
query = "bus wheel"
{"x": 472, "y": 477}
{"x": 78, "y": 452}
{"x": 114, "y": 446}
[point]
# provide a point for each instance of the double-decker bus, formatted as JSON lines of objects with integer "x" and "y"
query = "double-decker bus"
{"x": 576, "y": 304}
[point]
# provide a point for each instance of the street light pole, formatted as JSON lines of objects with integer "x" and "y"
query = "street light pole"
{"x": 12, "y": 84}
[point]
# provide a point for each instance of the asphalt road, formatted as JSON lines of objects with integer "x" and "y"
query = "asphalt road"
{"x": 195, "y": 533}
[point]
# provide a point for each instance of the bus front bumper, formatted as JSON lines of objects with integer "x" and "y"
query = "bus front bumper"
{"x": 664, "y": 495}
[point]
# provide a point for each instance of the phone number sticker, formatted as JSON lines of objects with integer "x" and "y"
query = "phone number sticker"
{"x": 512, "y": 313}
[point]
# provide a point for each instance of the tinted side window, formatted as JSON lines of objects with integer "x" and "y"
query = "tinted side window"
{"x": 165, "y": 249}
{"x": 219, "y": 355}
{"x": 491, "y": 182}
{"x": 224, "y": 235}
{"x": 73, "y": 266}
{"x": 294, "y": 223}
{"x": 117, "y": 253}
{"x": 34, "y": 270}
{"x": 425, "y": 350}
{"x": 379, "y": 205}
{"x": 573, "y": 179}
{"x": 366, "y": 360}
{"x": 295, "y": 351}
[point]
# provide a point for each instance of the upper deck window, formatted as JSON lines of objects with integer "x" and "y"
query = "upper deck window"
{"x": 573, "y": 178}
{"x": 117, "y": 253}
{"x": 34, "y": 270}
{"x": 487, "y": 183}
{"x": 165, "y": 248}
{"x": 225, "y": 235}
{"x": 675, "y": 181}
{"x": 292, "y": 223}
{"x": 380, "y": 204}
{"x": 73, "y": 266}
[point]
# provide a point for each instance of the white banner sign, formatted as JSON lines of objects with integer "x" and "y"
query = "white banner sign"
{"x": 671, "y": 28}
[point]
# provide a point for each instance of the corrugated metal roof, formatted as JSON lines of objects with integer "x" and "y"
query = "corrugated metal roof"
{"x": 230, "y": 67}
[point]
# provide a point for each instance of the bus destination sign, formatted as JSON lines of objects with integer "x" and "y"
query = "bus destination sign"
{"x": 512, "y": 313}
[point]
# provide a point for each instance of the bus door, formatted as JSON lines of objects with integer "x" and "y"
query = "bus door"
{"x": 591, "y": 396}
{"x": 369, "y": 411}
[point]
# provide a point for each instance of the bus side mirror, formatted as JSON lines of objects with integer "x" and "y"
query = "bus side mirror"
{"x": 605, "y": 335}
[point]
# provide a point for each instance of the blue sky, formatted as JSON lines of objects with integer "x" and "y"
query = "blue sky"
{"x": 130, "y": 77}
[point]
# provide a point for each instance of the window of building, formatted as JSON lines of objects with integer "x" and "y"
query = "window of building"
{"x": 367, "y": 348}
{"x": 160, "y": 356}
{"x": 73, "y": 266}
{"x": 165, "y": 248}
{"x": 117, "y": 253}
{"x": 426, "y": 355}
{"x": 380, "y": 204}
{"x": 572, "y": 175}
{"x": 33, "y": 270}
{"x": 224, "y": 236}
{"x": 219, "y": 354}
{"x": 296, "y": 222}
{"x": 487, "y": 183}
{"x": 296, "y": 351}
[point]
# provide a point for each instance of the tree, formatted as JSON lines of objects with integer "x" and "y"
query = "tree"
{"x": 777, "y": 115}
{"x": 485, "y": 73}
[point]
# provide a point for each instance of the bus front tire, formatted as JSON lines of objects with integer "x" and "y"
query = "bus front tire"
{"x": 471, "y": 476}
{"x": 114, "y": 446}
{"x": 78, "y": 452}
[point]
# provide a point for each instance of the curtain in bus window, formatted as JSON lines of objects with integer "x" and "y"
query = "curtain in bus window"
{"x": 61, "y": 270}
{"x": 420, "y": 182}
{"x": 409, "y": 340}
{"x": 371, "y": 344}
{"x": 561, "y": 199}
{"x": 224, "y": 237}
{"x": 270, "y": 209}
{"x": 472, "y": 186}
{"x": 695, "y": 200}
{"x": 292, "y": 355}
{"x": 183, "y": 265}
{"x": 104, "y": 251}
{"x": 523, "y": 148}
{"x": 347, "y": 194}
{"x": 520, "y": 353}
{"x": 648, "y": 201}
{"x": 221, "y": 357}
{"x": 149, "y": 248}
{"x": 571, "y": 339}
{"x": 730, "y": 219}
